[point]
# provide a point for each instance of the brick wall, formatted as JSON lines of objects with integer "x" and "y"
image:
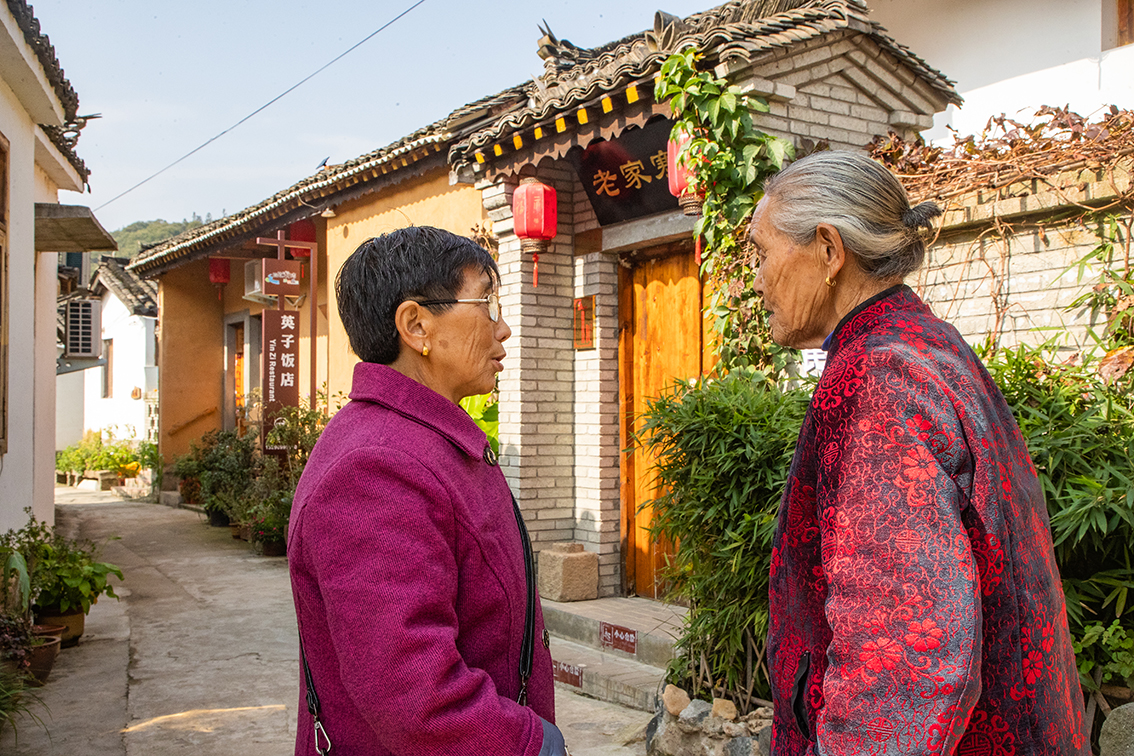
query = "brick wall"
{"x": 1005, "y": 262}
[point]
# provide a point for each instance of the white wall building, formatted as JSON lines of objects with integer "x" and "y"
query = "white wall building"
{"x": 115, "y": 395}
{"x": 38, "y": 126}
{"x": 1010, "y": 56}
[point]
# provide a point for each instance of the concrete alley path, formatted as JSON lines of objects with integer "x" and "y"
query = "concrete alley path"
{"x": 200, "y": 655}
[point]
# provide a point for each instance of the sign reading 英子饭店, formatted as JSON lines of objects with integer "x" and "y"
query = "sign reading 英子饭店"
{"x": 280, "y": 372}
{"x": 627, "y": 177}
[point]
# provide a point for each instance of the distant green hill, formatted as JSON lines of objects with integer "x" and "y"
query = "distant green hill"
{"x": 131, "y": 238}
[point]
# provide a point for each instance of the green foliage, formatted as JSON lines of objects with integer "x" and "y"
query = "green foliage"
{"x": 485, "y": 412}
{"x": 1080, "y": 434}
{"x": 15, "y": 639}
{"x": 65, "y": 574}
{"x": 1112, "y": 296}
{"x": 15, "y": 580}
{"x": 131, "y": 238}
{"x": 217, "y": 471}
{"x": 103, "y": 450}
{"x": 1110, "y": 648}
{"x": 723, "y": 449}
{"x": 730, "y": 159}
{"x": 267, "y": 508}
{"x": 17, "y": 700}
{"x": 298, "y": 428}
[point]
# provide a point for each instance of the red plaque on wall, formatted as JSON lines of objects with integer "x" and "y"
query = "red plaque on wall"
{"x": 584, "y": 322}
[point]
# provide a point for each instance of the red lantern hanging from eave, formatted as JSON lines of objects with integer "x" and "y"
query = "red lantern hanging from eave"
{"x": 535, "y": 213}
{"x": 680, "y": 177}
{"x": 220, "y": 273}
{"x": 301, "y": 230}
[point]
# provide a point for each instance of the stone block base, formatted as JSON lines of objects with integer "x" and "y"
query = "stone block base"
{"x": 568, "y": 573}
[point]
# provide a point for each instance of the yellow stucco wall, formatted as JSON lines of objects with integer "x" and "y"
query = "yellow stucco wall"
{"x": 425, "y": 201}
{"x": 190, "y": 357}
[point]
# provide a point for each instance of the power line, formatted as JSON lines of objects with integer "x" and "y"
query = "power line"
{"x": 275, "y": 99}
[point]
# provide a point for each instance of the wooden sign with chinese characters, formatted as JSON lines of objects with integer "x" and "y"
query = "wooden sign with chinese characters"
{"x": 280, "y": 371}
{"x": 627, "y": 177}
{"x": 584, "y": 322}
{"x": 282, "y": 276}
{"x": 569, "y": 674}
{"x": 619, "y": 638}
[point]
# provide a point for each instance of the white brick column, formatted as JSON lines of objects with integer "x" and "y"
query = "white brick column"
{"x": 598, "y": 506}
{"x": 537, "y": 385}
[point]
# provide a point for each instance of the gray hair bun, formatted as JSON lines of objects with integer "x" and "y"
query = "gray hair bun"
{"x": 921, "y": 216}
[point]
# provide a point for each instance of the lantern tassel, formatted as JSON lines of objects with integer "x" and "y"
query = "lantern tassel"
{"x": 697, "y": 251}
{"x": 535, "y": 269}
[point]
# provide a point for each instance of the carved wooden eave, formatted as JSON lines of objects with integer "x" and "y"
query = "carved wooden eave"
{"x": 580, "y": 88}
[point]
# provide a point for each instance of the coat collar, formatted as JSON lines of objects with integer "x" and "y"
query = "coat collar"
{"x": 899, "y": 297}
{"x": 383, "y": 385}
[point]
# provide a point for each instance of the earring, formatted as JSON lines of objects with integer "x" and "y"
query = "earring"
{"x": 425, "y": 351}
{"x": 830, "y": 282}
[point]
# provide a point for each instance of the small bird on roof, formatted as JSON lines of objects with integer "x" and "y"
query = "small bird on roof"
{"x": 323, "y": 164}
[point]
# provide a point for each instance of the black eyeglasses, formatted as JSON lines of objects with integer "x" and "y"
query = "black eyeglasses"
{"x": 492, "y": 300}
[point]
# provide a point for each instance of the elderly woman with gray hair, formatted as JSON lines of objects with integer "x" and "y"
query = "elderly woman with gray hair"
{"x": 916, "y": 605}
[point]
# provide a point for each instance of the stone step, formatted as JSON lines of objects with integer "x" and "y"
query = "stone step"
{"x": 606, "y": 676}
{"x": 631, "y": 628}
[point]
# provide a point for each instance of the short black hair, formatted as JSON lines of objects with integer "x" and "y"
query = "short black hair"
{"x": 419, "y": 262}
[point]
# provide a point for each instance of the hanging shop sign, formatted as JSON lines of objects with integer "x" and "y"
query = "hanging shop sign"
{"x": 280, "y": 371}
{"x": 627, "y": 177}
{"x": 282, "y": 277}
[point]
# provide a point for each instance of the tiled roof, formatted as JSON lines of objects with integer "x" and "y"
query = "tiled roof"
{"x": 318, "y": 190}
{"x": 138, "y": 295}
{"x": 64, "y": 137}
{"x": 738, "y": 29}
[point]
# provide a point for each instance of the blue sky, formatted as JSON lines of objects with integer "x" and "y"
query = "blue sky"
{"x": 166, "y": 76}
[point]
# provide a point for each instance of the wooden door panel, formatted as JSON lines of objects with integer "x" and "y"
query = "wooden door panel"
{"x": 664, "y": 342}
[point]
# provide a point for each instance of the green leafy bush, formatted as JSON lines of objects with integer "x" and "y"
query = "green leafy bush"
{"x": 217, "y": 471}
{"x": 1080, "y": 432}
{"x": 723, "y": 448}
{"x": 64, "y": 574}
{"x": 485, "y": 412}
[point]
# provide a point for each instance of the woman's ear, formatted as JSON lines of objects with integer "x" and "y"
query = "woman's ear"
{"x": 414, "y": 323}
{"x": 829, "y": 246}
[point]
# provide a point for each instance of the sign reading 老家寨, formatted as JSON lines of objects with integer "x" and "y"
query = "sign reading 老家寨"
{"x": 280, "y": 372}
{"x": 627, "y": 177}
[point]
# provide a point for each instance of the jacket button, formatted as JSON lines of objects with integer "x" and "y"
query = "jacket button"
{"x": 490, "y": 456}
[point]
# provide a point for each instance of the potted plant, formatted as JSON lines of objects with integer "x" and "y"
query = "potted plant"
{"x": 66, "y": 576}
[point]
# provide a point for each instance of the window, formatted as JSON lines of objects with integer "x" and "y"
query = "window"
{"x": 108, "y": 369}
{"x": 3, "y": 295}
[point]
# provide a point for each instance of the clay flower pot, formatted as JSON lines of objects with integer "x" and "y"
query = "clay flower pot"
{"x": 42, "y": 659}
{"x": 273, "y": 548}
{"x": 74, "y": 621}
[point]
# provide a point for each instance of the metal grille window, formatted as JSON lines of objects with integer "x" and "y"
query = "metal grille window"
{"x": 84, "y": 328}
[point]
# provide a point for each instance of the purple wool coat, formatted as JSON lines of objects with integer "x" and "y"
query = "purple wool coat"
{"x": 407, "y": 571}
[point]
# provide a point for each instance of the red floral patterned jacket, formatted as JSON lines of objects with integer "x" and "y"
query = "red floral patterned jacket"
{"x": 916, "y": 607}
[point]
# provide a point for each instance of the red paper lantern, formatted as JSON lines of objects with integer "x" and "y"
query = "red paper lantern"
{"x": 680, "y": 177}
{"x": 535, "y": 213}
{"x": 220, "y": 272}
{"x": 301, "y": 230}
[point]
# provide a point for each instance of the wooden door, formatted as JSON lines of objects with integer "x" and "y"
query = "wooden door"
{"x": 661, "y": 338}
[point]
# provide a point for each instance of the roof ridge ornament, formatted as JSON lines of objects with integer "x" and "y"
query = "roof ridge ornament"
{"x": 559, "y": 55}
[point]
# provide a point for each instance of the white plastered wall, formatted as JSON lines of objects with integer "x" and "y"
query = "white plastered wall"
{"x": 1010, "y": 56}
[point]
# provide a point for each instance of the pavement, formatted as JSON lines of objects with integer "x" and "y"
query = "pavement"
{"x": 200, "y": 654}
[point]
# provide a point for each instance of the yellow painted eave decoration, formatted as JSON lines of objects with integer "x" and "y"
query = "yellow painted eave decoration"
{"x": 479, "y": 157}
{"x": 497, "y": 150}
{"x": 581, "y": 114}
{"x": 607, "y": 105}
{"x": 539, "y": 132}
{"x": 518, "y": 141}
{"x": 560, "y": 124}
{"x": 632, "y": 93}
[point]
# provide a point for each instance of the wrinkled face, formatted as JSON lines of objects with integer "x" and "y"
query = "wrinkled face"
{"x": 466, "y": 348}
{"x": 790, "y": 278}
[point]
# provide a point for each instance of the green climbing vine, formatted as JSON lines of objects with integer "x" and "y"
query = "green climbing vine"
{"x": 729, "y": 159}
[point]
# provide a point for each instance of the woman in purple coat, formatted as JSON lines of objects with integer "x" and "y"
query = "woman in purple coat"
{"x": 916, "y": 607}
{"x": 410, "y": 566}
